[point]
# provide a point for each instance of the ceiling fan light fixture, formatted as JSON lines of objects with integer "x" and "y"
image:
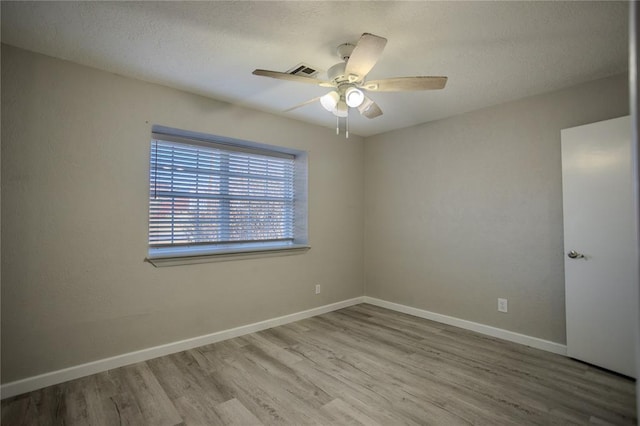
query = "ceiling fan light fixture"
{"x": 330, "y": 100}
{"x": 341, "y": 110}
{"x": 354, "y": 97}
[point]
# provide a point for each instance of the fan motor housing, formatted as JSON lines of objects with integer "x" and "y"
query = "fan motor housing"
{"x": 336, "y": 72}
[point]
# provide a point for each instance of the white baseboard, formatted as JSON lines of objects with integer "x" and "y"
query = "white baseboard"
{"x": 500, "y": 333}
{"x": 47, "y": 379}
{"x": 29, "y": 384}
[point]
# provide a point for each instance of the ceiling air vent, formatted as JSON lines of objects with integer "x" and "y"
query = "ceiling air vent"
{"x": 303, "y": 70}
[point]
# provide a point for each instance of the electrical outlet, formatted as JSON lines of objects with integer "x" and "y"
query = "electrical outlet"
{"x": 502, "y": 305}
{"x": 317, "y": 288}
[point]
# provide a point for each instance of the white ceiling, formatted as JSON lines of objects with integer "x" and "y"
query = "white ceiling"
{"x": 492, "y": 52}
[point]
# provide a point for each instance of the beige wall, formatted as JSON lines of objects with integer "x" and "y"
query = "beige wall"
{"x": 465, "y": 210}
{"x": 75, "y": 152}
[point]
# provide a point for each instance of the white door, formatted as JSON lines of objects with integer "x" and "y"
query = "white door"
{"x": 601, "y": 259}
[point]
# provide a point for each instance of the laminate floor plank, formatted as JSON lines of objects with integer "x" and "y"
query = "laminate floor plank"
{"x": 85, "y": 404}
{"x": 271, "y": 408}
{"x": 407, "y": 387}
{"x": 190, "y": 388}
{"x": 536, "y": 378}
{"x": 147, "y": 394}
{"x": 49, "y": 406}
{"x": 483, "y": 377}
{"x": 260, "y": 340}
{"x": 233, "y": 413}
{"x": 377, "y": 383}
{"x": 20, "y": 411}
{"x": 343, "y": 413}
{"x": 362, "y": 365}
{"x": 196, "y": 412}
{"x": 267, "y": 386}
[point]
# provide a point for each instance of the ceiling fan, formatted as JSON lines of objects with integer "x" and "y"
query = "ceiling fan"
{"x": 348, "y": 80}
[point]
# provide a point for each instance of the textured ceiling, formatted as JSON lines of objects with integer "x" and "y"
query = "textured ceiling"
{"x": 492, "y": 52}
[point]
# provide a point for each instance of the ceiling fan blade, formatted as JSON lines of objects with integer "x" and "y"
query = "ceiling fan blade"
{"x": 291, "y": 77}
{"x": 369, "y": 108}
{"x": 365, "y": 55}
{"x": 310, "y": 101}
{"x": 401, "y": 84}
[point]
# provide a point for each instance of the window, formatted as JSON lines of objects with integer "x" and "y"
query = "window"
{"x": 211, "y": 196}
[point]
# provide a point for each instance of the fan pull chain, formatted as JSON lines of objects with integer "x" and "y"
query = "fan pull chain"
{"x": 337, "y": 125}
{"x": 347, "y": 125}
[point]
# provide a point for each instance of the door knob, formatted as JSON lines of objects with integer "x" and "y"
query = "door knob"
{"x": 575, "y": 255}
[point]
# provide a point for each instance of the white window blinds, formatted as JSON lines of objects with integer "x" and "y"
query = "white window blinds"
{"x": 209, "y": 193}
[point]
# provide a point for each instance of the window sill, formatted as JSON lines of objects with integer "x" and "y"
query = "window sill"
{"x": 192, "y": 257}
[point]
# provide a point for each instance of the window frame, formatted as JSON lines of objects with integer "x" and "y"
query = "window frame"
{"x": 172, "y": 255}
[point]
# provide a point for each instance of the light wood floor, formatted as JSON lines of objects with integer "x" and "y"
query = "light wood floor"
{"x": 360, "y": 365}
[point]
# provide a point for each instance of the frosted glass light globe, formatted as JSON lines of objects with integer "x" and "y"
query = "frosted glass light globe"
{"x": 354, "y": 97}
{"x": 330, "y": 100}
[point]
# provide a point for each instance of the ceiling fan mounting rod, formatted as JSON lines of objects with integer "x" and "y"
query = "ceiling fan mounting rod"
{"x": 344, "y": 51}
